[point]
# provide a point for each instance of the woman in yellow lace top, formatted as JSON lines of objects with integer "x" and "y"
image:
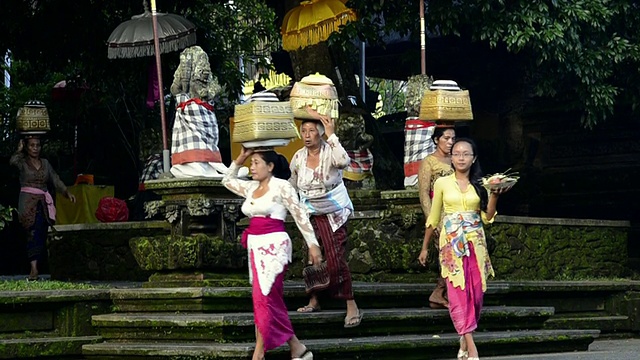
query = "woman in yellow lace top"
{"x": 464, "y": 260}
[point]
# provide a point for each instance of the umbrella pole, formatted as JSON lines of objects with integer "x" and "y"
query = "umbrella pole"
{"x": 423, "y": 46}
{"x": 156, "y": 42}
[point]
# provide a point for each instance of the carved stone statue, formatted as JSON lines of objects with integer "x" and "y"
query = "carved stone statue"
{"x": 195, "y": 134}
{"x": 350, "y": 129}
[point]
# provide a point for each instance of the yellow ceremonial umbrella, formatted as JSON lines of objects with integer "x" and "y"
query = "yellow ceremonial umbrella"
{"x": 313, "y": 21}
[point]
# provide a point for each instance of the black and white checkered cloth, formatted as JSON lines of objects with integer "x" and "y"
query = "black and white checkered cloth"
{"x": 417, "y": 143}
{"x": 152, "y": 169}
{"x": 195, "y": 126}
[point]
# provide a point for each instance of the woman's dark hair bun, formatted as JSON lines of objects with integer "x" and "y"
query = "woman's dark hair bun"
{"x": 280, "y": 164}
{"x": 284, "y": 172}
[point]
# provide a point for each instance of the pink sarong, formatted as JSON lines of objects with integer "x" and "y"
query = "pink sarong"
{"x": 51, "y": 208}
{"x": 269, "y": 311}
{"x": 465, "y": 305}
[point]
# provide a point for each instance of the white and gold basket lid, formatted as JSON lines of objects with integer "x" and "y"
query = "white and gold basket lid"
{"x": 316, "y": 79}
{"x": 445, "y": 85}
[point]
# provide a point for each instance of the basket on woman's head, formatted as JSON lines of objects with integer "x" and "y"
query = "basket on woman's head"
{"x": 33, "y": 119}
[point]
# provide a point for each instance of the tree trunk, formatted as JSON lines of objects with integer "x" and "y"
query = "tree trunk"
{"x": 512, "y": 131}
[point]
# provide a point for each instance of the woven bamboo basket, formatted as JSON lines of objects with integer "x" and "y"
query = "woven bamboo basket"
{"x": 317, "y": 92}
{"x": 263, "y": 120}
{"x": 446, "y": 105}
{"x": 33, "y": 118}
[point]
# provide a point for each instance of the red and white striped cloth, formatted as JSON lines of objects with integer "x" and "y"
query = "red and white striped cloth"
{"x": 417, "y": 145}
{"x": 360, "y": 166}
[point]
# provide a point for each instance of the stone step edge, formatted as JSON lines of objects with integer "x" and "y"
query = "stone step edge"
{"x": 51, "y": 346}
{"x": 296, "y": 288}
{"x": 590, "y": 318}
{"x": 49, "y": 339}
{"x": 134, "y": 319}
{"x": 607, "y": 324}
{"x": 372, "y": 343}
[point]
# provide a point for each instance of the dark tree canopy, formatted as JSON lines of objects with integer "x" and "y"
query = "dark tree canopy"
{"x": 583, "y": 55}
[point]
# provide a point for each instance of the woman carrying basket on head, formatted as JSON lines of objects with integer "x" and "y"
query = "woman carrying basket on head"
{"x": 268, "y": 197}
{"x": 432, "y": 167}
{"x": 36, "y": 209}
{"x": 316, "y": 172}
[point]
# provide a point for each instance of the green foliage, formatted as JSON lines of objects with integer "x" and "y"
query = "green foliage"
{"x": 6, "y": 215}
{"x": 586, "y": 53}
{"x": 106, "y": 99}
{"x": 392, "y": 93}
{"x": 23, "y": 285}
{"x": 244, "y": 30}
{"x": 378, "y": 19}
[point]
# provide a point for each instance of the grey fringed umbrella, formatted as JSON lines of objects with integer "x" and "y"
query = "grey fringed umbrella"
{"x": 149, "y": 34}
{"x": 134, "y": 38}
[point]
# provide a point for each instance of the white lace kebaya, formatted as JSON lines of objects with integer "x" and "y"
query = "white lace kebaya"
{"x": 272, "y": 251}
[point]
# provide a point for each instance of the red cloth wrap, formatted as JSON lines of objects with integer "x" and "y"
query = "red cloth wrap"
{"x": 184, "y": 104}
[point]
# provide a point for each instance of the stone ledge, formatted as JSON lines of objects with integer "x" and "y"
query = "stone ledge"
{"x": 182, "y": 183}
{"x": 506, "y": 219}
{"x": 130, "y": 225}
{"x": 400, "y": 194}
{"x": 379, "y": 347}
{"x": 329, "y": 316}
{"x": 239, "y": 327}
{"x": 49, "y": 296}
{"x": 296, "y": 288}
{"x": 38, "y": 348}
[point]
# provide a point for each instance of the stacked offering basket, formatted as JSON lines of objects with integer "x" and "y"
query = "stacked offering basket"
{"x": 33, "y": 119}
{"x": 445, "y": 101}
{"x": 316, "y": 92}
{"x": 264, "y": 123}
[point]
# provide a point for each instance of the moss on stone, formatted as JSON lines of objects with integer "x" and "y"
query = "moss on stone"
{"x": 99, "y": 252}
{"x": 198, "y": 251}
{"x": 529, "y": 251}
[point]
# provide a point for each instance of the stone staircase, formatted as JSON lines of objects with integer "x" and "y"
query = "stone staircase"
{"x": 49, "y": 323}
{"x": 217, "y": 323}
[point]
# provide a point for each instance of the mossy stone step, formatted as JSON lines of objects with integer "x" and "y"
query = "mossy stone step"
{"x": 564, "y": 296}
{"x": 227, "y": 299}
{"x": 407, "y": 347}
{"x": 605, "y": 323}
{"x": 42, "y": 348}
{"x": 325, "y": 324}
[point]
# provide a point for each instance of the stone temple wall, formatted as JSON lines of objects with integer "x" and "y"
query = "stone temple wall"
{"x": 385, "y": 237}
{"x": 384, "y": 245}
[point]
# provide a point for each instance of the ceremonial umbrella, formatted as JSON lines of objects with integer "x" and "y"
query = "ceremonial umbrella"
{"x": 152, "y": 33}
{"x": 313, "y": 21}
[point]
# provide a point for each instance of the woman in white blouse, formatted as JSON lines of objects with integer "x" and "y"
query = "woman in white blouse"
{"x": 268, "y": 197}
{"x": 316, "y": 172}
